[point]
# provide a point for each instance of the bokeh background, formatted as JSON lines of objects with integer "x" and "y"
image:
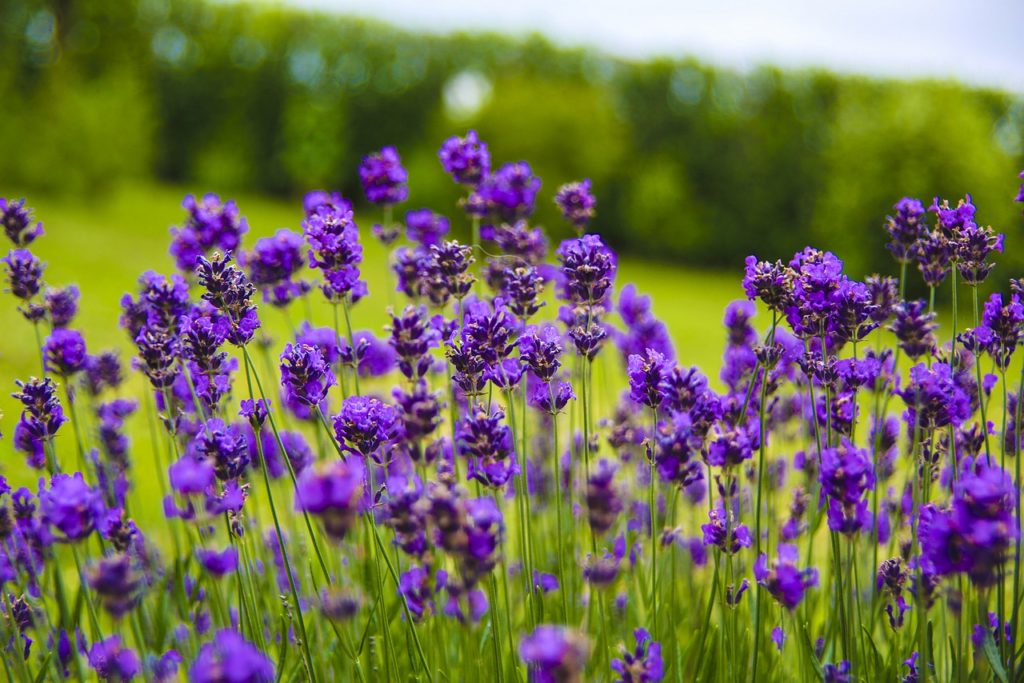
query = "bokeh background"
{"x": 112, "y": 111}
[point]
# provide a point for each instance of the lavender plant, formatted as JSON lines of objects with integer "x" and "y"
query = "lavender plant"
{"x": 484, "y": 492}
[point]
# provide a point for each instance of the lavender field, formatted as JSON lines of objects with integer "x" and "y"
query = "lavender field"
{"x": 356, "y": 448}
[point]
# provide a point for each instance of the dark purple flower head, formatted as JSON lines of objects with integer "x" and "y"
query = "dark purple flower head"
{"x": 934, "y": 398}
{"x": 339, "y": 604}
{"x": 518, "y": 239}
{"x": 334, "y": 491}
{"x": 273, "y": 263}
{"x": 783, "y": 580}
{"x": 678, "y": 445}
{"x": 816, "y": 281}
{"x": 102, "y": 371}
{"x": 577, "y": 203}
{"x": 647, "y": 378}
{"x": 218, "y": 564}
{"x": 24, "y": 273}
{"x": 412, "y": 336}
{"x": 465, "y": 159}
{"x": 230, "y": 292}
{"x": 588, "y": 267}
{"x": 934, "y": 257}
{"x": 118, "y": 582}
{"x": 522, "y": 288}
{"x": 487, "y": 443}
{"x": 447, "y": 272}
{"x": 555, "y": 654}
{"x": 837, "y": 673}
{"x": 952, "y": 219}
{"x": 334, "y": 248}
{"x": 730, "y": 446}
{"x": 383, "y": 177}
{"x": 333, "y": 200}
{"x": 65, "y": 352}
{"x": 71, "y": 506}
{"x": 846, "y": 472}
{"x": 415, "y": 588}
{"x": 420, "y": 410}
{"x": 425, "y": 227}
{"x": 191, "y": 475}
{"x": 62, "y": 305}
{"x": 1020, "y": 195}
{"x": 914, "y": 328}
{"x": 112, "y": 661}
{"x": 224, "y": 446}
{"x": 973, "y": 245}
{"x": 364, "y": 425}
{"x": 41, "y": 414}
{"x": 1002, "y": 328}
{"x": 974, "y": 535}
{"x": 905, "y": 228}
{"x": 305, "y": 373}
{"x": 511, "y": 191}
{"x": 489, "y": 329}
{"x": 16, "y": 219}
{"x": 771, "y": 283}
{"x": 230, "y": 658}
{"x": 884, "y": 292}
{"x": 725, "y": 533}
{"x": 211, "y": 225}
{"x": 158, "y": 352}
{"x": 642, "y": 665}
{"x": 603, "y": 501}
{"x": 540, "y": 349}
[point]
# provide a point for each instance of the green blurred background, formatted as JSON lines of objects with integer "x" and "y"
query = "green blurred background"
{"x": 692, "y": 164}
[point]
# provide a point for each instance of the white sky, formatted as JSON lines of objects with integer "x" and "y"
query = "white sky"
{"x": 979, "y": 42}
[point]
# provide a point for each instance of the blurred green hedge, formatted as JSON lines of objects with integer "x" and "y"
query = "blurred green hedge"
{"x": 691, "y": 163}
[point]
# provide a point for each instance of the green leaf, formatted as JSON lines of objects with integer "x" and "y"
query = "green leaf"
{"x": 988, "y": 646}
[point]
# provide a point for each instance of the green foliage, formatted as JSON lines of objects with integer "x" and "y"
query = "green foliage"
{"x": 691, "y": 163}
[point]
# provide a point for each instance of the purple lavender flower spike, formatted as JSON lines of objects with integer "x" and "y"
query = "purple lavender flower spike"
{"x": 412, "y": 337}
{"x": 1002, "y": 328}
{"x": 465, "y": 159}
{"x": 273, "y": 264}
{"x": 305, "y": 373}
{"x": 603, "y": 501}
{"x": 730, "y": 538}
{"x": 771, "y": 283}
{"x": 934, "y": 257}
{"x": 42, "y": 414}
{"x": 333, "y": 201}
{"x": 905, "y": 228}
{"x": 16, "y": 219}
{"x": 383, "y": 177}
{"x": 487, "y": 442}
{"x": 364, "y": 425}
{"x": 230, "y": 292}
{"x": 118, "y": 583}
{"x": 589, "y": 269}
{"x": 211, "y": 225}
{"x": 71, "y": 506}
{"x": 62, "y": 305}
{"x": 64, "y": 351}
{"x": 425, "y": 227}
{"x": 219, "y": 564}
{"x": 511, "y": 191}
{"x": 647, "y": 378}
{"x": 934, "y": 399}
{"x": 577, "y": 203}
{"x": 522, "y": 287}
{"x": 782, "y": 579}
{"x": 642, "y": 665}
{"x": 112, "y": 661}
{"x": 334, "y": 492}
{"x": 847, "y": 473}
{"x": 334, "y": 249}
{"x": 231, "y": 652}
{"x": 24, "y": 273}
{"x": 555, "y": 654}
{"x": 914, "y": 328}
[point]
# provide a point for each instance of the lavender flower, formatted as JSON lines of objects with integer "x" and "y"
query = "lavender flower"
{"x": 644, "y": 664}
{"x": 218, "y": 564}
{"x": 211, "y": 225}
{"x": 24, "y": 272}
{"x": 934, "y": 399}
{"x": 914, "y": 328}
{"x": 230, "y": 658}
{"x": 588, "y": 267}
{"x": 847, "y": 473}
{"x": 511, "y": 191}
{"x": 721, "y": 532}
{"x": 305, "y": 373}
{"x": 555, "y": 654}
{"x": 64, "y": 351}
{"x": 647, "y": 378}
{"x": 383, "y": 177}
{"x": 783, "y": 580}
{"x": 71, "y": 506}
{"x": 603, "y": 501}
{"x": 118, "y": 582}
{"x": 465, "y": 159}
{"x": 905, "y": 228}
{"x": 487, "y": 443}
{"x": 16, "y": 219}
{"x": 62, "y": 305}
{"x": 1002, "y": 328}
{"x": 576, "y": 203}
{"x": 426, "y": 227}
{"x": 934, "y": 257}
{"x": 364, "y": 425}
{"x": 230, "y": 292}
{"x": 273, "y": 264}
{"x": 333, "y": 491}
{"x": 112, "y": 661}
{"x": 334, "y": 248}
{"x": 412, "y": 337}
{"x": 768, "y": 282}
{"x": 522, "y": 288}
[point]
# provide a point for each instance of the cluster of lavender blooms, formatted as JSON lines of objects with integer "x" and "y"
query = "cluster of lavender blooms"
{"x": 467, "y": 495}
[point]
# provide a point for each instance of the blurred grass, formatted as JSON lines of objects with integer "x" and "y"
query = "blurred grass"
{"x": 104, "y": 243}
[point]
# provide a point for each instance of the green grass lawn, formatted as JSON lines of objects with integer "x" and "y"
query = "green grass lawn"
{"x": 102, "y": 244}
